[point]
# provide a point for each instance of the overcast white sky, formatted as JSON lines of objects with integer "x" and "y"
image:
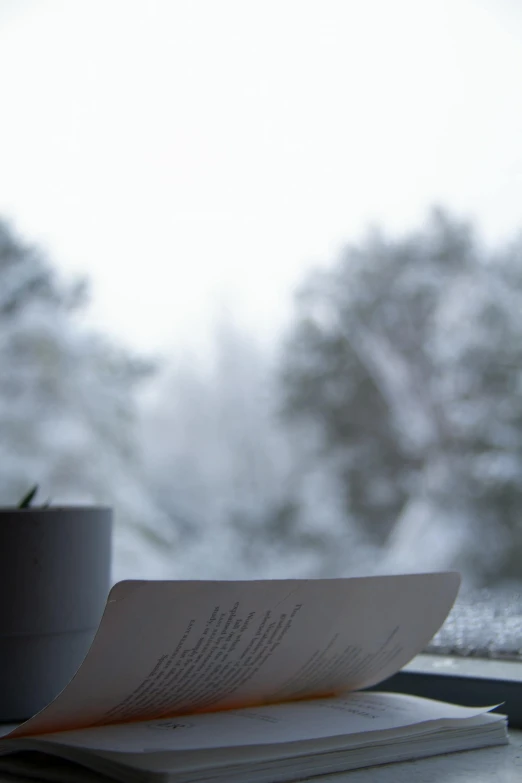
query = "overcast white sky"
{"x": 187, "y": 154}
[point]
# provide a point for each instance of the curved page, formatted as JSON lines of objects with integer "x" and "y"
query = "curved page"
{"x": 166, "y": 648}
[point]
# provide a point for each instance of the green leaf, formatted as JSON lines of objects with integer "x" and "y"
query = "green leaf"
{"x": 28, "y": 499}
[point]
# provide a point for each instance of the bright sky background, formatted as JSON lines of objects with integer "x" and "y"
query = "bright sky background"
{"x": 193, "y": 155}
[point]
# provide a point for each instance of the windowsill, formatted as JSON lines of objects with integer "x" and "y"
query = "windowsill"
{"x": 472, "y": 682}
{"x": 466, "y": 667}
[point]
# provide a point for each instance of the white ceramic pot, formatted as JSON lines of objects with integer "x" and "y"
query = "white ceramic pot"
{"x": 54, "y": 581}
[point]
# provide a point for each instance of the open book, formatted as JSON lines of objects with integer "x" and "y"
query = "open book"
{"x": 249, "y": 681}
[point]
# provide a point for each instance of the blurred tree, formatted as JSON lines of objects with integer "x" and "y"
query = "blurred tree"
{"x": 406, "y": 359}
{"x": 220, "y": 463}
{"x": 67, "y": 399}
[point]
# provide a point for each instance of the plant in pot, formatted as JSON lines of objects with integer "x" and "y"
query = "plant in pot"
{"x": 54, "y": 581}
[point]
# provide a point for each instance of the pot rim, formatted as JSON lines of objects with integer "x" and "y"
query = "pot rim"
{"x": 51, "y": 509}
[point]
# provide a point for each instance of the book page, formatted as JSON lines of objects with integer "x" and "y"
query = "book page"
{"x": 166, "y": 648}
{"x": 350, "y": 716}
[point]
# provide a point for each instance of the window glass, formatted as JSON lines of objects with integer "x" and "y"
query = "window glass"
{"x": 261, "y": 286}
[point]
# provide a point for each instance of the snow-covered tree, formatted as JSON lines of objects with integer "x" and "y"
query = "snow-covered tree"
{"x": 68, "y": 405}
{"x": 406, "y": 358}
{"x": 222, "y": 465}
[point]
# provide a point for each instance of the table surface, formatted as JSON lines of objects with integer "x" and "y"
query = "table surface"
{"x": 502, "y": 764}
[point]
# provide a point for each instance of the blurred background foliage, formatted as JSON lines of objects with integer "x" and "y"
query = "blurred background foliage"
{"x": 383, "y": 431}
